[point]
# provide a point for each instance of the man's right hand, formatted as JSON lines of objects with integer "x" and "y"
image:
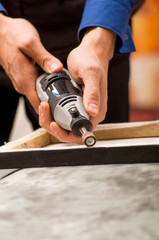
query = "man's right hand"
{"x": 20, "y": 49}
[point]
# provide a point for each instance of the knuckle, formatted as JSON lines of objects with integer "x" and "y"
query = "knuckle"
{"x": 92, "y": 76}
{"x": 44, "y": 59}
{"x": 26, "y": 43}
{"x": 94, "y": 94}
{"x": 18, "y": 86}
{"x": 94, "y": 68}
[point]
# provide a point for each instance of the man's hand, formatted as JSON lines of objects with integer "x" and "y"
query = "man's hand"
{"x": 20, "y": 49}
{"x": 88, "y": 65}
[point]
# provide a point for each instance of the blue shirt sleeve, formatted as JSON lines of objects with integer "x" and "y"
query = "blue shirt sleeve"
{"x": 2, "y": 9}
{"x": 113, "y": 15}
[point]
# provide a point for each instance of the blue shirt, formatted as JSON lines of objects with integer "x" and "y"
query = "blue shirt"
{"x": 113, "y": 15}
{"x": 110, "y": 14}
{"x": 2, "y": 9}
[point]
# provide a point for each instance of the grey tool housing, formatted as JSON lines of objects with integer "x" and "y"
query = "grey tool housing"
{"x": 64, "y": 96}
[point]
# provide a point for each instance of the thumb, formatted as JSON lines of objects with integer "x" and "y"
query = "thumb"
{"x": 45, "y": 60}
{"x": 91, "y": 96}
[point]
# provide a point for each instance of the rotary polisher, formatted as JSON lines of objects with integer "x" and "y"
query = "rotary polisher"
{"x": 64, "y": 96}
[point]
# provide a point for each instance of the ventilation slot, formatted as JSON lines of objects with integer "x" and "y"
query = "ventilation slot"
{"x": 68, "y": 100}
{"x": 52, "y": 78}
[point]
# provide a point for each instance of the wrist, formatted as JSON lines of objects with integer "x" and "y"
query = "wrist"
{"x": 101, "y": 40}
{"x": 2, "y": 16}
{"x": 3, "y": 19}
{"x": 2, "y": 26}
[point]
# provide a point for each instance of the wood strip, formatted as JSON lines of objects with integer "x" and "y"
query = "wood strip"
{"x": 37, "y": 139}
{"x": 40, "y": 138}
{"x": 127, "y": 130}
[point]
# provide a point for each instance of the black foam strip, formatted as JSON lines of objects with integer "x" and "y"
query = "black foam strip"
{"x": 75, "y": 157}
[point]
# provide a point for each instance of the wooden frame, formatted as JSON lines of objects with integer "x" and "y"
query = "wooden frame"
{"x": 30, "y": 152}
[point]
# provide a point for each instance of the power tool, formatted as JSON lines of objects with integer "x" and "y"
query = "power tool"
{"x": 64, "y": 96}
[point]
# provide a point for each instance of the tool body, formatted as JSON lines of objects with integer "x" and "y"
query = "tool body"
{"x": 64, "y": 96}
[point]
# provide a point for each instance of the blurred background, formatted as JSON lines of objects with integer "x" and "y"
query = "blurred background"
{"x": 144, "y": 78}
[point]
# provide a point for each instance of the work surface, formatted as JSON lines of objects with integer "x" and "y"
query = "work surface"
{"x": 113, "y": 202}
{"x": 108, "y": 192}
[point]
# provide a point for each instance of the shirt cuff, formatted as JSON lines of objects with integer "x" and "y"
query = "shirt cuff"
{"x": 113, "y": 15}
{"x": 2, "y": 9}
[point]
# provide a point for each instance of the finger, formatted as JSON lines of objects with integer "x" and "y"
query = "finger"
{"x": 63, "y": 135}
{"x": 45, "y": 60}
{"x": 91, "y": 96}
{"x": 46, "y": 121}
{"x": 45, "y": 117}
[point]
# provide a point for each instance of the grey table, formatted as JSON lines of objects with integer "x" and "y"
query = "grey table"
{"x": 105, "y": 202}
